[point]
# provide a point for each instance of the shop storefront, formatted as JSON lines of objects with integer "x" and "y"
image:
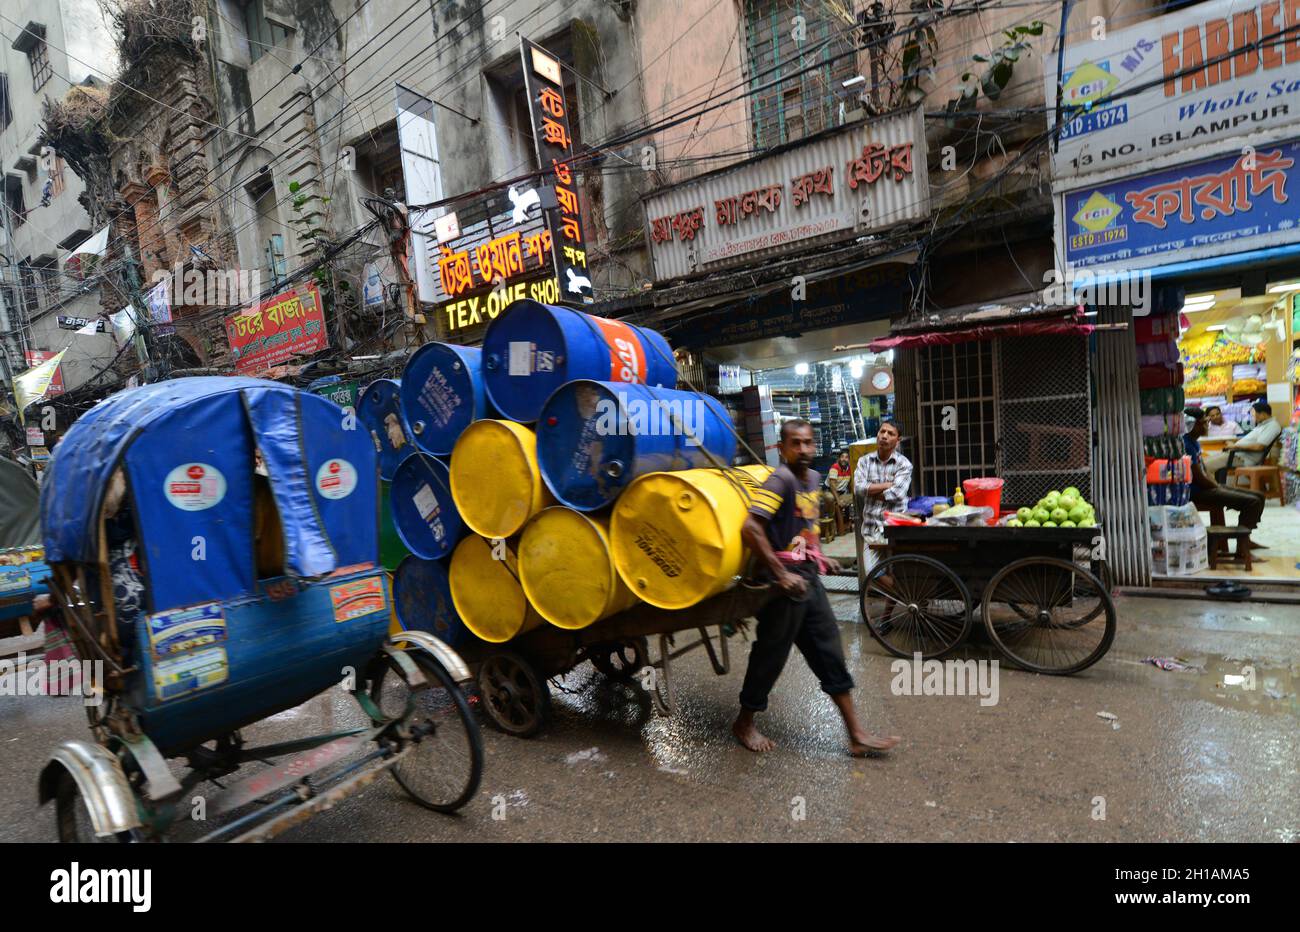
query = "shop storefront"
{"x": 1188, "y": 187}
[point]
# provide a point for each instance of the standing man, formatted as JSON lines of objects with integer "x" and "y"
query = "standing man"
{"x": 781, "y": 530}
{"x": 882, "y": 481}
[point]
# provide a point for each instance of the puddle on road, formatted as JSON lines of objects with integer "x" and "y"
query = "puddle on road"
{"x": 1228, "y": 680}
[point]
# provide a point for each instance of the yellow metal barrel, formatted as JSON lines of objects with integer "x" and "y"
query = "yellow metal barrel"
{"x": 486, "y": 592}
{"x": 676, "y": 535}
{"x": 567, "y": 571}
{"x": 495, "y": 482}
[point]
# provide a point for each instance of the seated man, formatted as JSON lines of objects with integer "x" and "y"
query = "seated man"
{"x": 1250, "y": 449}
{"x": 1206, "y": 493}
{"x": 1219, "y": 425}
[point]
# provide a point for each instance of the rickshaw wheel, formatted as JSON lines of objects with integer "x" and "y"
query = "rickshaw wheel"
{"x": 515, "y": 695}
{"x": 443, "y": 770}
{"x": 72, "y": 819}
{"x": 1048, "y": 615}
{"x": 620, "y": 660}
{"x": 914, "y": 604}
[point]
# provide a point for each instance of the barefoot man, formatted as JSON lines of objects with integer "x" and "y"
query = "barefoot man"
{"x": 781, "y": 529}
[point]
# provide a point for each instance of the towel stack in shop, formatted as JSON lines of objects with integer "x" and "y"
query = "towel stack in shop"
{"x": 553, "y": 476}
{"x": 1162, "y": 400}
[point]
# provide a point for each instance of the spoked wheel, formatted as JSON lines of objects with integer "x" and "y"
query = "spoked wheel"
{"x": 620, "y": 660}
{"x": 515, "y": 695}
{"x": 72, "y": 818}
{"x": 1049, "y": 616}
{"x": 443, "y": 768}
{"x": 914, "y": 604}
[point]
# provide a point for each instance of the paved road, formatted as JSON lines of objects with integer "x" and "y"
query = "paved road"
{"x": 1191, "y": 759}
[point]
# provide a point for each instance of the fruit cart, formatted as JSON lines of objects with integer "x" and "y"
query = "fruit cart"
{"x": 1039, "y": 591}
{"x": 512, "y": 677}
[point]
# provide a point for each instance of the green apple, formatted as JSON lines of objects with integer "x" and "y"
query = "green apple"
{"x": 1068, "y": 524}
{"x": 1014, "y": 522}
{"x": 1059, "y": 515}
{"x": 1072, "y": 490}
{"x": 1078, "y": 513}
{"x": 1049, "y": 524}
{"x": 1042, "y": 514}
{"x": 1068, "y": 502}
{"x": 1032, "y": 523}
{"x": 1024, "y": 514}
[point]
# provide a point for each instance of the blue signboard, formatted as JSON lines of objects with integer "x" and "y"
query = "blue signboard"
{"x": 1244, "y": 200}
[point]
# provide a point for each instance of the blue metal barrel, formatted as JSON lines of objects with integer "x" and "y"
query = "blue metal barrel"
{"x": 594, "y": 438}
{"x": 532, "y": 349}
{"x": 422, "y": 598}
{"x": 424, "y": 514}
{"x": 442, "y": 394}
{"x": 379, "y": 409}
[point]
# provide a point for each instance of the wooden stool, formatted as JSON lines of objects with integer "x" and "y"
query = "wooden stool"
{"x": 1266, "y": 480}
{"x": 1217, "y": 535}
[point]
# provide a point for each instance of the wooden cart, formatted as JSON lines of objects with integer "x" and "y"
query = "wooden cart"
{"x": 1039, "y": 591}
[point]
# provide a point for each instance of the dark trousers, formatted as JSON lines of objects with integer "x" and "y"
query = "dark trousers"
{"x": 1248, "y": 505}
{"x": 807, "y": 624}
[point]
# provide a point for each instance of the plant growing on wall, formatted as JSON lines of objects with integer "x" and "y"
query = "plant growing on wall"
{"x": 999, "y": 68}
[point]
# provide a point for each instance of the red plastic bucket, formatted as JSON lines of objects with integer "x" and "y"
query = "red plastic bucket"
{"x": 983, "y": 493}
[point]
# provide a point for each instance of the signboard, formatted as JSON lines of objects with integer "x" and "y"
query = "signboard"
{"x": 77, "y": 323}
{"x": 35, "y": 437}
{"x": 548, "y": 113}
{"x": 1215, "y": 206}
{"x": 290, "y": 324}
{"x": 159, "y": 302}
{"x": 863, "y": 177}
{"x": 1253, "y": 88}
{"x": 36, "y": 357}
{"x": 476, "y": 310}
{"x": 343, "y": 394}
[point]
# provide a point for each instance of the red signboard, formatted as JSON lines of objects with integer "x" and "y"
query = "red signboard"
{"x": 36, "y": 357}
{"x": 290, "y": 324}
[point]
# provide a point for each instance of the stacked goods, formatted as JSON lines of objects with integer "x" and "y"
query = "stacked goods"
{"x": 1178, "y": 540}
{"x": 1057, "y": 509}
{"x": 379, "y": 409}
{"x": 594, "y": 438}
{"x": 1160, "y": 380}
{"x": 495, "y": 480}
{"x": 532, "y": 349}
{"x": 492, "y": 555}
{"x": 676, "y": 535}
{"x": 760, "y": 422}
{"x": 567, "y": 571}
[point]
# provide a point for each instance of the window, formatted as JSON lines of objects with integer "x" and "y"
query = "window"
{"x": 39, "y": 58}
{"x": 56, "y": 177}
{"x": 14, "y": 202}
{"x": 263, "y": 35}
{"x": 6, "y": 109}
{"x": 805, "y": 75}
{"x": 48, "y": 282}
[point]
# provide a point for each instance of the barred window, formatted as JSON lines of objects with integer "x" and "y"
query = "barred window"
{"x": 263, "y": 35}
{"x": 39, "y": 57}
{"x": 800, "y": 54}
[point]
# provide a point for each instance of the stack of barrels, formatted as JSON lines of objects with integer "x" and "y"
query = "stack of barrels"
{"x": 555, "y": 476}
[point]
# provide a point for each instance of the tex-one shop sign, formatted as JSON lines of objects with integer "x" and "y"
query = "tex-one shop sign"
{"x": 1226, "y": 204}
{"x": 867, "y": 176}
{"x": 1214, "y": 72}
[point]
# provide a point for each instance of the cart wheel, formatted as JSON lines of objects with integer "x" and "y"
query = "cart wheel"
{"x": 620, "y": 660}
{"x": 662, "y": 680}
{"x": 515, "y": 695}
{"x": 1049, "y": 615}
{"x": 443, "y": 769}
{"x": 914, "y": 604}
{"x": 72, "y": 818}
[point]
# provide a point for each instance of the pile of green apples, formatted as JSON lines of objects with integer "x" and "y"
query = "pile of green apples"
{"x": 1057, "y": 509}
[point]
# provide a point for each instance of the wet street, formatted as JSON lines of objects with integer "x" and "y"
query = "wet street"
{"x": 1183, "y": 756}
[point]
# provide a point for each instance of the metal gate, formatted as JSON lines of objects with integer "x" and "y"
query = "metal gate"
{"x": 956, "y": 389}
{"x": 1045, "y": 415}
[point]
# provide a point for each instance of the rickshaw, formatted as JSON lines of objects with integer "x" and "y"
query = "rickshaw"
{"x": 22, "y": 566}
{"x": 214, "y": 547}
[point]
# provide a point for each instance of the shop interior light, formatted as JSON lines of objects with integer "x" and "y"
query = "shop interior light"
{"x": 801, "y": 368}
{"x": 1283, "y": 287}
{"x": 856, "y": 369}
{"x": 1216, "y": 328}
{"x": 1198, "y": 302}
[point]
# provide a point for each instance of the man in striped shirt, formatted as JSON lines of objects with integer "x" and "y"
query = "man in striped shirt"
{"x": 781, "y": 531}
{"x": 882, "y": 479}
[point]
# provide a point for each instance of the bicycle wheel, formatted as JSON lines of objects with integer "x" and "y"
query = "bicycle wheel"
{"x": 1048, "y": 615}
{"x": 914, "y": 604}
{"x": 443, "y": 769}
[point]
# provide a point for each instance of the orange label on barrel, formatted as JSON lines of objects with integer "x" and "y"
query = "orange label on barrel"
{"x": 626, "y": 361}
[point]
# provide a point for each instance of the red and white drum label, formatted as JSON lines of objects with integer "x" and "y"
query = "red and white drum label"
{"x": 194, "y": 486}
{"x": 336, "y": 479}
{"x": 626, "y": 361}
